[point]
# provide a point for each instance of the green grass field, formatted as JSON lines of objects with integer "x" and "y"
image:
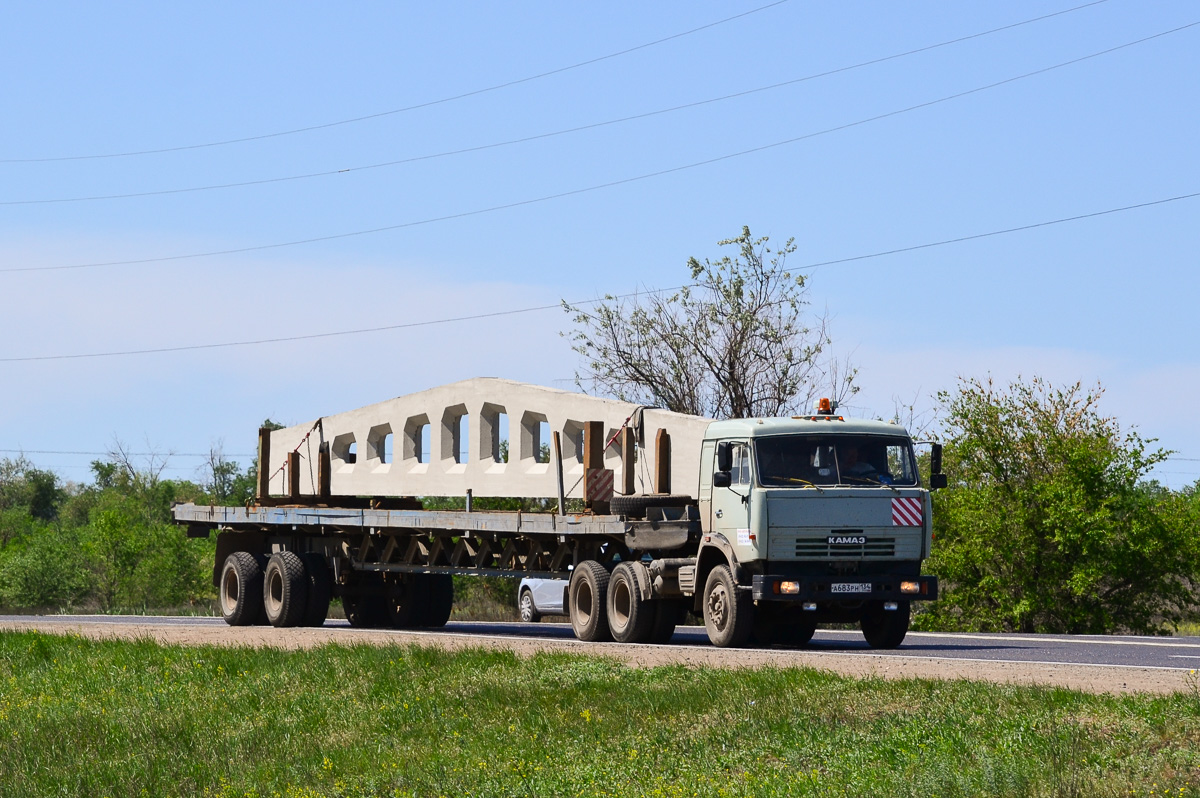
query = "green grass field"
{"x": 80, "y": 717}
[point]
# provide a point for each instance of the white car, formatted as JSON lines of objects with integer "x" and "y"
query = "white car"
{"x": 538, "y": 597}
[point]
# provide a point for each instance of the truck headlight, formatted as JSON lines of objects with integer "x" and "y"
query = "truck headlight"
{"x": 790, "y": 588}
{"x": 910, "y": 587}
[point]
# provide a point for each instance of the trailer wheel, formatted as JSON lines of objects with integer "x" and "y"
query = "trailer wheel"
{"x": 636, "y": 506}
{"x": 365, "y": 610}
{"x": 316, "y": 609}
{"x": 728, "y": 612}
{"x": 285, "y": 589}
{"x": 241, "y": 593}
{"x": 437, "y": 599}
{"x": 630, "y": 617}
{"x": 885, "y": 628}
{"x": 589, "y": 596}
{"x": 529, "y": 613}
{"x": 670, "y": 613}
{"x": 403, "y": 602}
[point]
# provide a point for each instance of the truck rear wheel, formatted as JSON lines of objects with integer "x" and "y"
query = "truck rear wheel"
{"x": 436, "y": 602}
{"x": 241, "y": 594}
{"x": 728, "y": 612}
{"x": 885, "y": 628}
{"x": 588, "y": 594}
{"x": 285, "y": 589}
{"x": 630, "y": 617}
{"x": 669, "y": 614}
{"x": 316, "y": 609}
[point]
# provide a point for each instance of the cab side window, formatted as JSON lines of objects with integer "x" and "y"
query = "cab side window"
{"x": 741, "y": 464}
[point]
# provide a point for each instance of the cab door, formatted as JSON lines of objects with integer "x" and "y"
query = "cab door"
{"x": 731, "y": 505}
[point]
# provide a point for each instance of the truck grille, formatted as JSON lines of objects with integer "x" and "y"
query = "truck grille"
{"x": 820, "y": 548}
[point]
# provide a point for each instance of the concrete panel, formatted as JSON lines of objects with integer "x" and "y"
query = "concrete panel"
{"x": 482, "y": 401}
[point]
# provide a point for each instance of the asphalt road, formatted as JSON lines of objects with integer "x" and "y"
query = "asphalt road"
{"x": 1164, "y": 653}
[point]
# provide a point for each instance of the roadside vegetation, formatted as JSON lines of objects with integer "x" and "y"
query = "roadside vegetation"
{"x": 82, "y": 717}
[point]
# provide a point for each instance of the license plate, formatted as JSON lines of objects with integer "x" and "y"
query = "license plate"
{"x": 850, "y": 587}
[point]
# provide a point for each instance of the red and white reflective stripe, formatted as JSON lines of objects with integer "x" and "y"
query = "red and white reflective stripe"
{"x": 598, "y": 484}
{"x": 906, "y": 512}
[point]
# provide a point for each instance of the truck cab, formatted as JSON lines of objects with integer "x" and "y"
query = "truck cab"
{"x": 820, "y": 519}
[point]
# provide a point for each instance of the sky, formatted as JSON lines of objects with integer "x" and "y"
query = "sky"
{"x": 446, "y": 160}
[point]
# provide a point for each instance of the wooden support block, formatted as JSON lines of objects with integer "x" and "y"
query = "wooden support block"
{"x": 662, "y": 462}
{"x": 324, "y": 471}
{"x": 628, "y": 469}
{"x": 593, "y": 445}
{"x": 293, "y": 470}
{"x": 264, "y": 462}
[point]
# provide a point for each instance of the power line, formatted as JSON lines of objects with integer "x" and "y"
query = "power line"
{"x": 131, "y": 454}
{"x": 598, "y": 187}
{"x": 540, "y": 136}
{"x": 427, "y": 104}
{"x": 500, "y": 313}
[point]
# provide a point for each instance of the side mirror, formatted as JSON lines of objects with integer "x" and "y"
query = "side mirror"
{"x": 937, "y": 480}
{"x": 722, "y": 479}
{"x": 724, "y": 456}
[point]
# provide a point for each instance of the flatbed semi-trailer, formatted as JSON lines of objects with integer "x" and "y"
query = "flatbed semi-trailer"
{"x": 787, "y": 523}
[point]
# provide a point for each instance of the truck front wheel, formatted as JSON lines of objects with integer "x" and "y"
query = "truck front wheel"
{"x": 241, "y": 589}
{"x": 885, "y": 628}
{"x": 728, "y": 612}
{"x": 589, "y": 596}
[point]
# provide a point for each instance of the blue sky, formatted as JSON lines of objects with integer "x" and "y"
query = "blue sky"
{"x": 1109, "y": 299}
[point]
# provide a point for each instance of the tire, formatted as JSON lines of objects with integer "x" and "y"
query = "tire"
{"x": 241, "y": 589}
{"x": 588, "y": 593}
{"x": 402, "y": 602}
{"x": 795, "y": 634}
{"x": 728, "y": 612}
{"x": 636, "y": 506}
{"x": 885, "y": 628}
{"x": 529, "y": 613}
{"x": 285, "y": 589}
{"x": 435, "y": 599}
{"x": 365, "y": 610}
{"x": 630, "y": 617}
{"x": 670, "y": 613}
{"x": 316, "y": 609}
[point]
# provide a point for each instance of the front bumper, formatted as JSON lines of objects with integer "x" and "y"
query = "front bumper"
{"x": 872, "y": 587}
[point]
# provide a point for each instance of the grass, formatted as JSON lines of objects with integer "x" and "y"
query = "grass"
{"x": 95, "y": 718}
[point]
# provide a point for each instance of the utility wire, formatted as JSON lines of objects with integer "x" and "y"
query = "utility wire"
{"x": 427, "y": 104}
{"x": 598, "y": 187}
{"x": 500, "y": 313}
{"x": 539, "y": 136}
{"x": 131, "y": 454}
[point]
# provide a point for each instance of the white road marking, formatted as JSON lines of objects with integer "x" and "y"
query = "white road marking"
{"x": 1074, "y": 639}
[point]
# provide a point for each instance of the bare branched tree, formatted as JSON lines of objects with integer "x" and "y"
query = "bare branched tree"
{"x": 120, "y": 455}
{"x": 735, "y": 343}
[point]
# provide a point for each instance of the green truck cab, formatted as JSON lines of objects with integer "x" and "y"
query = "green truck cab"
{"x": 817, "y": 519}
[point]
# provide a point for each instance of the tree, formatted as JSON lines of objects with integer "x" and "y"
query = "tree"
{"x": 734, "y": 343}
{"x": 1048, "y": 525}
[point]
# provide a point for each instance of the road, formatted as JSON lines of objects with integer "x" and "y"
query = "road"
{"x": 1094, "y": 663}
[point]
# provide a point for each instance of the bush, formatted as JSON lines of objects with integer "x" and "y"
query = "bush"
{"x": 1048, "y": 525}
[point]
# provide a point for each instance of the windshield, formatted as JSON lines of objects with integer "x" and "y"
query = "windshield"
{"x": 798, "y": 460}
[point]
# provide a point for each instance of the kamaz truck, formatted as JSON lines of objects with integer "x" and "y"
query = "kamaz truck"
{"x": 764, "y": 527}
